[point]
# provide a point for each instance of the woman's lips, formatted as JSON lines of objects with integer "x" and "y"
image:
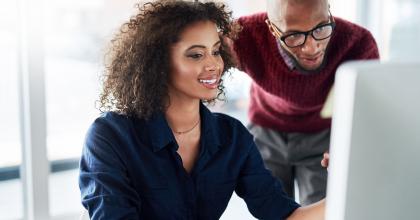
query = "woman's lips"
{"x": 210, "y": 83}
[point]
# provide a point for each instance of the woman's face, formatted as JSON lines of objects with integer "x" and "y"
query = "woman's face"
{"x": 196, "y": 63}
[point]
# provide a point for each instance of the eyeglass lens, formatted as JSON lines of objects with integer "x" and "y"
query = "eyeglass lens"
{"x": 319, "y": 33}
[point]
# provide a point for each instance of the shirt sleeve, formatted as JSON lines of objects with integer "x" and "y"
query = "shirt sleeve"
{"x": 262, "y": 193}
{"x": 104, "y": 184}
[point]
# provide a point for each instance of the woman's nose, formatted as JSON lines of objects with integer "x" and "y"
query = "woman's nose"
{"x": 212, "y": 67}
{"x": 212, "y": 64}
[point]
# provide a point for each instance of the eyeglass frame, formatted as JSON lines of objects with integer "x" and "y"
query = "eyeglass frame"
{"x": 278, "y": 32}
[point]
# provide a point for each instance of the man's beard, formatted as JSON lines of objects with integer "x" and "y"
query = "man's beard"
{"x": 305, "y": 71}
{"x": 302, "y": 69}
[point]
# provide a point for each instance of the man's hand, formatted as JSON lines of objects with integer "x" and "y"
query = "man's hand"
{"x": 230, "y": 49}
{"x": 325, "y": 160}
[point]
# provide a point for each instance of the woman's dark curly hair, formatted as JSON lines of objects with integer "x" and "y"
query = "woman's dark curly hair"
{"x": 135, "y": 82}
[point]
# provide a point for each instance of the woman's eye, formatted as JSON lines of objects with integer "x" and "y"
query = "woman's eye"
{"x": 195, "y": 56}
{"x": 216, "y": 53}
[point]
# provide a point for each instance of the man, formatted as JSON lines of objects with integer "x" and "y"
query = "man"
{"x": 292, "y": 53}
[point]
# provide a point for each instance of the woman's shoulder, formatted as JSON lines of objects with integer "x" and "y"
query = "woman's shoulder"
{"x": 110, "y": 122}
{"x": 229, "y": 124}
{"x": 111, "y": 118}
{"x": 232, "y": 135}
{"x": 226, "y": 118}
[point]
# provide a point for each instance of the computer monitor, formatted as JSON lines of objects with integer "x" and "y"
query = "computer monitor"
{"x": 374, "y": 171}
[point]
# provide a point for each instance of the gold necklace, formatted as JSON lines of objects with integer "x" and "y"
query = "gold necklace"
{"x": 187, "y": 131}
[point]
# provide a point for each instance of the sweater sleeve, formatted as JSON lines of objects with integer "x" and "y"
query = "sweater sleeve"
{"x": 353, "y": 42}
{"x": 241, "y": 44}
{"x": 368, "y": 45}
{"x": 248, "y": 44}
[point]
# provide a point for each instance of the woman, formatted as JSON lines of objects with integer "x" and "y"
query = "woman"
{"x": 158, "y": 152}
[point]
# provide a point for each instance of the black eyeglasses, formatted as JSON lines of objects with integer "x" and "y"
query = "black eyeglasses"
{"x": 297, "y": 39}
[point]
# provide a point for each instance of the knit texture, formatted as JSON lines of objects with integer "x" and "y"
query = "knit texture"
{"x": 287, "y": 100}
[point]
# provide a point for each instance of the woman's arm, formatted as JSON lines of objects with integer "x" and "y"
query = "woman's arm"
{"x": 315, "y": 211}
{"x": 104, "y": 185}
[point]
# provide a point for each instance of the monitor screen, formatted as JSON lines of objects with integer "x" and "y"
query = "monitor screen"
{"x": 374, "y": 171}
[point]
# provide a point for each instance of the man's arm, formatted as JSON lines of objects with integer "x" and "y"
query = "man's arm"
{"x": 229, "y": 43}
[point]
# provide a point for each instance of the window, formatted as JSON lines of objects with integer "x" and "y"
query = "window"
{"x": 9, "y": 111}
{"x": 402, "y": 30}
{"x": 76, "y": 33}
{"x": 10, "y": 145}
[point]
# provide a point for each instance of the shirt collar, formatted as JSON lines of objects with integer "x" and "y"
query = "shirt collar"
{"x": 286, "y": 57}
{"x": 210, "y": 130}
{"x": 161, "y": 134}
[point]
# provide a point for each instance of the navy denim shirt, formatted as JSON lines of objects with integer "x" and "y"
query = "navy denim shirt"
{"x": 130, "y": 169}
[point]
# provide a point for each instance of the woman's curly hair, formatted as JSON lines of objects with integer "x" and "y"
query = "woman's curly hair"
{"x": 136, "y": 77}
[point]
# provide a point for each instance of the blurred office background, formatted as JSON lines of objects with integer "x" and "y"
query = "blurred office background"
{"x": 50, "y": 56}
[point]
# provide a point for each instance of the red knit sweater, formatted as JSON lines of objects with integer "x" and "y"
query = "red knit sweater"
{"x": 287, "y": 100}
